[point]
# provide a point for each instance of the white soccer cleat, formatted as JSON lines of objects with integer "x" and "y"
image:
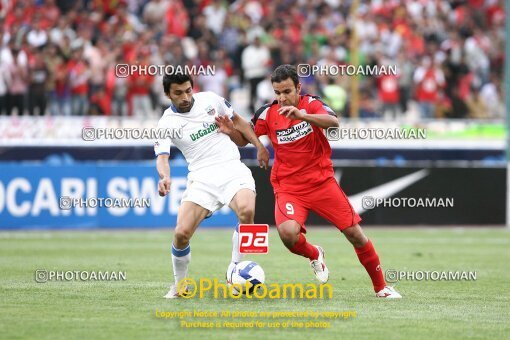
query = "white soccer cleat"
{"x": 173, "y": 293}
{"x": 319, "y": 267}
{"x": 388, "y": 293}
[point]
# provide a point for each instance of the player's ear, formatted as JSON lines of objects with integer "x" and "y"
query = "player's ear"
{"x": 298, "y": 88}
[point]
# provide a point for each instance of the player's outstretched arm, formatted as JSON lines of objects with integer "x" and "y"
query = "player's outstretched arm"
{"x": 246, "y": 130}
{"x": 241, "y": 132}
{"x": 163, "y": 168}
{"x": 321, "y": 120}
{"x": 226, "y": 125}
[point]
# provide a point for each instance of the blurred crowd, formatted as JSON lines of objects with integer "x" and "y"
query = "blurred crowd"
{"x": 60, "y": 57}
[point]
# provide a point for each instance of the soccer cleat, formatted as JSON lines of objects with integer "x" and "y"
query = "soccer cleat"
{"x": 174, "y": 294}
{"x": 388, "y": 293}
{"x": 319, "y": 267}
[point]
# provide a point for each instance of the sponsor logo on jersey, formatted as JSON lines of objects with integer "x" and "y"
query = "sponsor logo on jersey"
{"x": 210, "y": 110}
{"x": 293, "y": 133}
{"x": 203, "y": 132}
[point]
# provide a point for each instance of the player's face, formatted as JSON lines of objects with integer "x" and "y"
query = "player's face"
{"x": 286, "y": 92}
{"x": 181, "y": 96}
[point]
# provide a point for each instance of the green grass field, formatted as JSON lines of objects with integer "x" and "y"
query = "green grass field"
{"x": 127, "y": 309}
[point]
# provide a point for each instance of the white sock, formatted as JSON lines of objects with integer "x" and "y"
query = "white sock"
{"x": 180, "y": 260}
{"x": 236, "y": 255}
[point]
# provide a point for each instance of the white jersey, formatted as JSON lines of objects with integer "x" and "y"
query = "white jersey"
{"x": 201, "y": 144}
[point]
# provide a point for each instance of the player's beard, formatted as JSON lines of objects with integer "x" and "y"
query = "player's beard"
{"x": 185, "y": 106}
{"x": 290, "y": 101}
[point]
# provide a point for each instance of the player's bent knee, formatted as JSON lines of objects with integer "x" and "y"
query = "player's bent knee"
{"x": 289, "y": 232}
{"x": 355, "y": 236}
{"x": 246, "y": 214}
{"x": 182, "y": 236}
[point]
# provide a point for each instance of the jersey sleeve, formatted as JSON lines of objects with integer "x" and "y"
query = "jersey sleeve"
{"x": 259, "y": 122}
{"x": 317, "y": 107}
{"x": 162, "y": 146}
{"x": 260, "y": 128}
{"x": 225, "y": 108}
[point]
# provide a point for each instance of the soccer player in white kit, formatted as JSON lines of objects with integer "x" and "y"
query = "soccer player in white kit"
{"x": 217, "y": 177}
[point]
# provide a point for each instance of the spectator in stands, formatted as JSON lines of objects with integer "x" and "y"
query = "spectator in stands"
{"x": 154, "y": 13}
{"x": 4, "y": 81}
{"x": 18, "y": 83}
{"x": 491, "y": 97}
{"x": 255, "y": 61}
{"x": 462, "y": 37}
{"x": 50, "y": 14}
{"x": 4, "y": 77}
{"x": 389, "y": 95}
{"x": 229, "y": 38}
{"x": 119, "y": 91}
{"x": 335, "y": 96}
{"x": 217, "y": 82}
{"x": 177, "y": 19}
{"x": 98, "y": 57}
{"x": 38, "y": 77}
{"x": 405, "y": 70}
{"x": 265, "y": 93}
{"x": 37, "y": 37}
{"x": 100, "y": 103}
{"x": 79, "y": 75}
{"x": 428, "y": 79}
{"x": 367, "y": 105}
{"x": 61, "y": 29}
{"x": 139, "y": 85}
{"x": 60, "y": 92}
{"x": 215, "y": 15}
{"x": 476, "y": 106}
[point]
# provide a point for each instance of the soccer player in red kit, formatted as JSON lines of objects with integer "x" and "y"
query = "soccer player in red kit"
{"x": 303, "y": 177}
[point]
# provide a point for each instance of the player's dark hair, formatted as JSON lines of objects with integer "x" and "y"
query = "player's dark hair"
{"x": 284, "y": 72}
{"x": 176, "y": 78}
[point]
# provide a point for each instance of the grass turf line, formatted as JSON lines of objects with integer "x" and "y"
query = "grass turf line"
{"x": 127, "y": 309}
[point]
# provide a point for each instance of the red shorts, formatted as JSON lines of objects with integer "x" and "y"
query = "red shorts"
{"x": 327, "y": 200}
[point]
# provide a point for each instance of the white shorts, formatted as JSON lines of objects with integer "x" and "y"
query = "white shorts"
{"x": 216, "y": 186}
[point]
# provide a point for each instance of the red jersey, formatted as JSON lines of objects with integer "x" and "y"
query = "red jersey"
{"x": 302, "y": 152}
{"x": 428, "y": 88}
{"x": 387, "y": 86}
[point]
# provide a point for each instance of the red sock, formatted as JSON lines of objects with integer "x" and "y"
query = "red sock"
{"x": 370, "y": 260}
{"x": 303, "y": 248}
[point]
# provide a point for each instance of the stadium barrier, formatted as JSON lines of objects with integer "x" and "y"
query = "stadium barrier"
{"x": 394, "y": 196}
{"x": 31, "y": 193}
{"x": 30, "y": 196}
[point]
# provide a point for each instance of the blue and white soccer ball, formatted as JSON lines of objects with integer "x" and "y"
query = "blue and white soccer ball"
{"x": 244, "y": 276}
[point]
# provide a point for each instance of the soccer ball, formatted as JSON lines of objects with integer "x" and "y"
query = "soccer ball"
{"x": 245, "y": 275}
